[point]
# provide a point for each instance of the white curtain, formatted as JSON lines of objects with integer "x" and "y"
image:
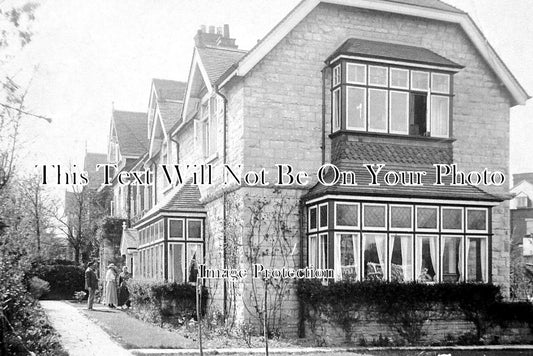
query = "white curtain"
{"x": 418, "y": 257}
{"x": 467, "y": 251}
{"x": 483, "y": 256}
{"x": 439, "y": 116}
{"x": 461, "y": 261}
{"x": 433, "y": 255}
{"x": 337, "y": 253}
{"x": 381, "y": 248}
{"x": 406, "y": 258}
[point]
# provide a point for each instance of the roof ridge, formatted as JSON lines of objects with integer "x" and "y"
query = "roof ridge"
{"x": 427, "y": 6}
{"x": 225, "y": 49}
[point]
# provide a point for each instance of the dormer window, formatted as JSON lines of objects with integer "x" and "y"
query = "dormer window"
{"x": 408, "y": 93}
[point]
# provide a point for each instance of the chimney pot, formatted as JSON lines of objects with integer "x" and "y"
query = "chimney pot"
{"x": 202, "y": 28}
{"x": 219, "y": 30}
{"x": 226, "y": 30}
{"x": 211, "y": 29}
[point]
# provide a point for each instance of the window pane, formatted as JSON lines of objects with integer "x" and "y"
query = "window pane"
{"x": 312, "y": 248}
{"x": 323, "y": 252}
{"x": 356, "y": 108}
{"x": 176, "y": 262}
{"x": 399, "y": 78}
{"x": 401, "y": 258}
{"x": 427, "y": 258}
{"x": 476, "y": 259}
{"x": 377, "y": 110}
{"x": 356, "y": 73}
{"x": 336, "y": 75}
{"x": 323, "y": 215}
{"x": 347, "y": 215}
{"x": 348, "y": 257}
{"x": 452, "y": 219}
{"x": 440, "y": 83}
{"x": 399, "y": 112}
{"x": 194, "y": 258}
{"x": 401, "y": 217}
{"x": 426, "y": 218}
{"x": 419, "y": 80}
{"x": 440, "y": 114}
{"x": 312, "y": 218}
{"x": 336, "y": 110}
{"x": 477, "y": 219}
{"x": 377, "y": 76}
{"x": 452, "y": 259}
{"x": 176, "y": 229}
{"x": 374, "y": 216}
{"x": 194, "y": 229}
{"x": 375, "y": 256}
{"x": 212, "y": 134}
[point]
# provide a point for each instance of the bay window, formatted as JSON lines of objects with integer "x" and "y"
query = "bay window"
{"x": 399, "y": 241}
{"x": 391, "y": 99}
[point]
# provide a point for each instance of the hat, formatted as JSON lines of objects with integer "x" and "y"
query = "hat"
{"x": 111, "y": 265}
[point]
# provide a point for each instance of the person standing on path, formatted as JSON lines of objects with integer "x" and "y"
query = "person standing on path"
{"x": 111, "y": 286}
{"x": 91, "y": 284}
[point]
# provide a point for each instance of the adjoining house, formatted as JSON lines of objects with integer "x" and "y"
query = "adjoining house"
{"x": 405, "y": 83}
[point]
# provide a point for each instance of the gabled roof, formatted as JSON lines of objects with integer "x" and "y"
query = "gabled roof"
{"x": 129, "y": 240}
{"x": 429, "y": 9}
{"x": 95, "y": 177}
{"x": 383, "y": 50}
{"x": 131, "y": 132}
{"x": 217, "y": 60}
{"x": 169, "y": 89}
{"x": 426, "y": 191}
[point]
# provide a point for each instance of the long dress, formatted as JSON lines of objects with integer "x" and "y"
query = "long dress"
{"x": 111, "y": 287}
{"x": 123, "y": 292}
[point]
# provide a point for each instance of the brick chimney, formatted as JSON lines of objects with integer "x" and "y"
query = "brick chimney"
{"x": 216, "y": 37}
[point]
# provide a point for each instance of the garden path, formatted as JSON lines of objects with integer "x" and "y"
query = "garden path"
{"x": 79, "y": 335}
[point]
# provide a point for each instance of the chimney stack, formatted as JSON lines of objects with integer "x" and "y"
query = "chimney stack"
{"x": 216, "y": 37}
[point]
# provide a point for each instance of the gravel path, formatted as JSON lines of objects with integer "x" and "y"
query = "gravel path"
{"x": 79, "y": 335}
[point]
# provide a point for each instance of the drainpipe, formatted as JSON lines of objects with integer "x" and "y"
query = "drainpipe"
{"x": 224, "y": 195}
{"x": 323, "y": 146}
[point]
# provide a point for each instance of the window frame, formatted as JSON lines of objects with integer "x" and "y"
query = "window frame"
{"x": 485, "y": 262}
{"x": 367, "y": 228}
{"x": 469, "y": 231}
{"x": 462, "y": 246}
{"x": 201, "y": 238}
{"x": 182, "y": 229}
{"x": 401, "y": 229}
{"x": 428, "y": 230}
{"x": 462, "y": 229}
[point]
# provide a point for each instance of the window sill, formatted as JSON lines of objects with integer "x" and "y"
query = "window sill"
{"x": 382, "y": 134}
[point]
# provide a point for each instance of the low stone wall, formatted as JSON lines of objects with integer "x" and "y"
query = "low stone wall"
{"x": 451, "y": 329}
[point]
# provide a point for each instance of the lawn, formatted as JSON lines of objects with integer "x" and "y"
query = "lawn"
{"x": 132, "y": 333}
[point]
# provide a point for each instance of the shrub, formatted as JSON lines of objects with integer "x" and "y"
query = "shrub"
{"x": 38, "y": 287}
{"x": 159, "y": 301}
{"x": 64, "y": 280}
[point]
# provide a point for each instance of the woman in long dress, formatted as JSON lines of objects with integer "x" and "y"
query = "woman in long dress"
{"x": 123, "y": 292}
{"x": 111, "y": 286}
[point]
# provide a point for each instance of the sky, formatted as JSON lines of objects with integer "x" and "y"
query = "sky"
{"x": 87, "y": 57}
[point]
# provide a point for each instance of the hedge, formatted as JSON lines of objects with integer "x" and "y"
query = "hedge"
{"x": 160, "y": 301}
{"x": 404, "y": 307}
{"x": 64, "y": 280}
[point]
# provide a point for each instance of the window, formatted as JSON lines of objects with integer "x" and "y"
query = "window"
{"x": 476, "y": 248}
{"x": 176, "y": 261}
{"x": 346, "y": 215}
{"x": 522, "y": 202}
{"x": 400, "y": 241}
{"x": 476, "y": 220}
{"x": 427, "y": 258}
{"x": 347, "y": 253}
{"x": 387, "y": 99}
{"x": 374, "y": 216}
{"x": 206, "y": 128}
{"x": 194, "y": 229}
{"x": 375, "y": 256}
{"x": 195, "y": 257}
{"x": 452, "y": 259}
{"x": 401, "y": 256}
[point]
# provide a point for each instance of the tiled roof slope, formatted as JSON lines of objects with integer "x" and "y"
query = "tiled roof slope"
{"x": 170, "y": 113}
{"x": 384, "y": 50}
{"x": 187, "y": 198}
{"x": 374, "y": 152}
{"x": 218, "y": 60}
{"x": 169, "y": 89}
{"x": 432, "y": 4}
{"x": 131, "y": 132}
{"x": 91, "y": 160}
{"x": 428, "y": 190}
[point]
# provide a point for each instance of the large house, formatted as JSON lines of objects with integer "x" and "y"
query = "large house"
{"x": 404, "y": 83}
